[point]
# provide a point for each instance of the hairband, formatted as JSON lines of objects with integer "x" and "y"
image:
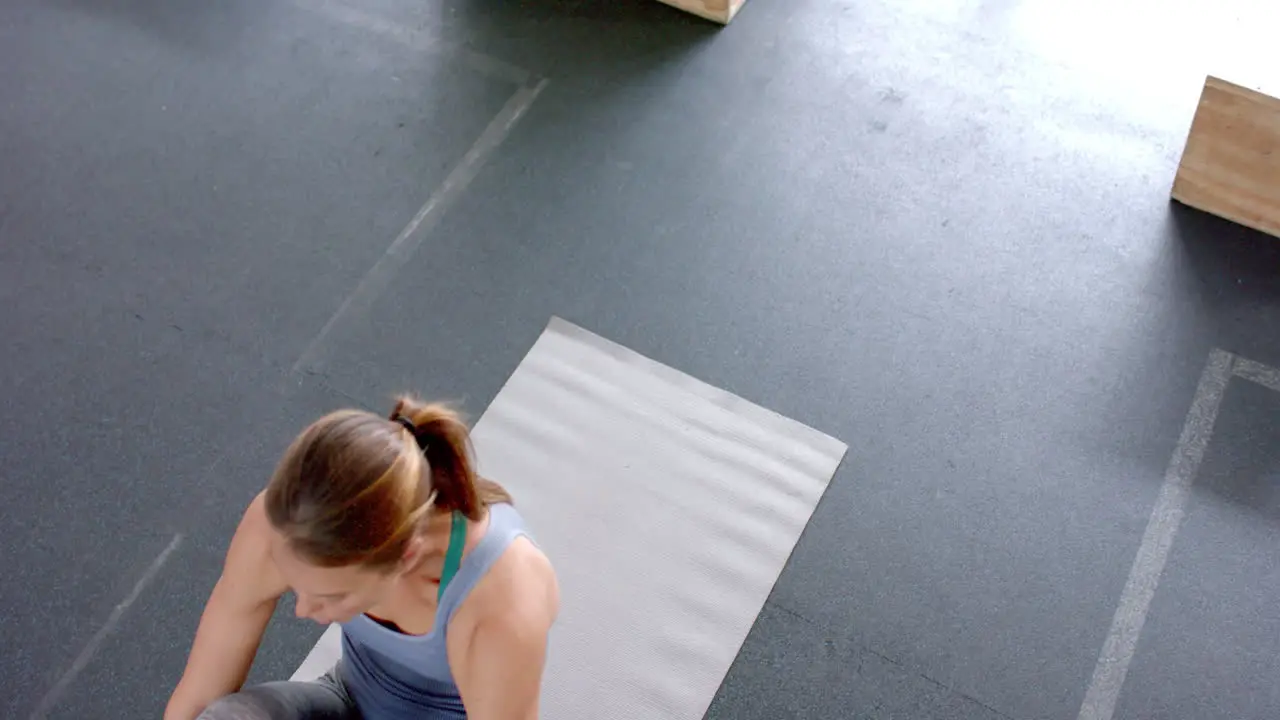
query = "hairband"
{"x": 407, "y": 424}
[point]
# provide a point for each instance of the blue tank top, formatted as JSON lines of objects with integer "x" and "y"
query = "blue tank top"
{"x": 393, "y": 676}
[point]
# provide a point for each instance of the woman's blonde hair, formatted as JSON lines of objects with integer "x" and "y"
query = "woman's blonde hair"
{"x": 353, "y": 488}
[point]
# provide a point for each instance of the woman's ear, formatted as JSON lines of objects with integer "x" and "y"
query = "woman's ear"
{"x": 414, "y": 553}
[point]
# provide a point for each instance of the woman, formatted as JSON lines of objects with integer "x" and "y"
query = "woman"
{"x": 383, "y": 526}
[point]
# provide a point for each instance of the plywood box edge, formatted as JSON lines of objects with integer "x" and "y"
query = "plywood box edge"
{"x": 1230, "y": 216}
{"x": 1253, "y": 164}
{"x": 1189, "y": 199}
{"x": 706, "y": 9}
{"x": 1217, "y": 83}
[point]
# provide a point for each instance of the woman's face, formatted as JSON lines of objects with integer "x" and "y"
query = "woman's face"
{"x": 328, "y": 595}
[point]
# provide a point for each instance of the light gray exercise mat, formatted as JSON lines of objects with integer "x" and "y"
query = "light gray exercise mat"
{"x": 668, "y": 508}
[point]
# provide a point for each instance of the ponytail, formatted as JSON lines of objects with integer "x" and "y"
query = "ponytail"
{"x": 446, "y": 443}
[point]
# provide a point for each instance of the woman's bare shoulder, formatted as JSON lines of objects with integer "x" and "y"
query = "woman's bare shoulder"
{"x": 249, "y": 572}
{"x": 499, "y": 655}
{"x": 522, "y": 580}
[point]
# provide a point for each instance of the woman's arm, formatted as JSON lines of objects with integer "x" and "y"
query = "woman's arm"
{"x": 498, "y": 660}
{"x": 234, "y": 619}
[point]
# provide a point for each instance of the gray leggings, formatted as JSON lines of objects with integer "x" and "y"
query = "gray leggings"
{"x": 321, "y": 699}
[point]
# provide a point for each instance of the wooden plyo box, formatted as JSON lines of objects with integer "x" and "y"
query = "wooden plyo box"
{"x": 1231, "y": 164}
{"x": 721, "y": 11}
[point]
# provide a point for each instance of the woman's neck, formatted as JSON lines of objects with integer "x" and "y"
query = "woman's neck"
{"x": 435, "y": 542}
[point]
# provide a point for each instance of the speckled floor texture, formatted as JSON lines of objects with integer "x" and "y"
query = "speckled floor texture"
{"x": 938, "y": 230}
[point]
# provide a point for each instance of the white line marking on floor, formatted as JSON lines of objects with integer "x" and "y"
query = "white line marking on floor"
{"x": 59, "y": 688}
{"x": 407, "y": 242}
{"x": 1166, "y": 516}
{"x": 1257, "y": 372}
{"x": 344, "y": 14}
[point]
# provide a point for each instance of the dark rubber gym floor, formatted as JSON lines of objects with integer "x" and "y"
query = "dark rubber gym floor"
{"x": 937, "y": 230}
